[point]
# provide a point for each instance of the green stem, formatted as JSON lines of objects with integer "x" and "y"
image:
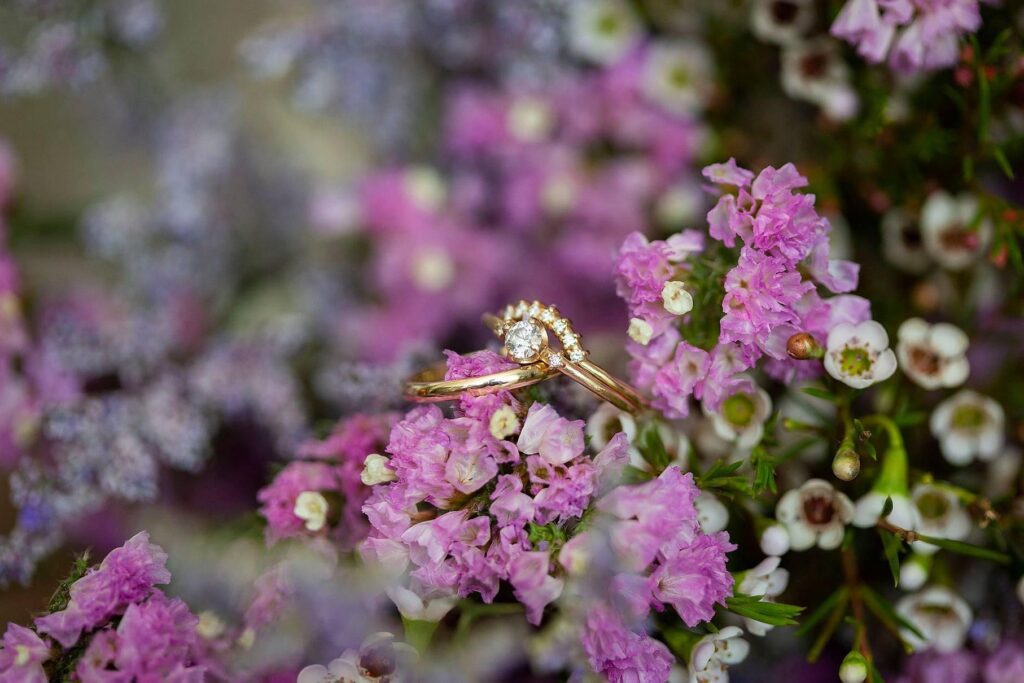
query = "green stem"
{"x": 893, "y": 476}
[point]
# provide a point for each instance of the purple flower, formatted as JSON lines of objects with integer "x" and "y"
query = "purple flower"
{"x": 127, "y": 575}
{"x": 22, "y": 656}
{"x": 278, "y": 499}
{"x": 641, "y": 272}
{"x": 679, "y": 379}
{"x": 534, "y": 586}
{"x": 693, "y": 578}
{"x": 620, "y": 654}
{"x": 556, "y": 439}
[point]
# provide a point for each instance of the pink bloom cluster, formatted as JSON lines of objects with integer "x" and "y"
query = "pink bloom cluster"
{"x": 660, "y": 557}
{"x": 916, "y": 35}
{"x": 770, "y": 294}
{"x": 531, "y": 180}
{"x": 330, "y": 467}
{"x": 135, "y": 631}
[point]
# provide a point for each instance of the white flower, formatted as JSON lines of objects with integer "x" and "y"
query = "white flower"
{"x": 914, "y": 572}
{"x": 814, "y": 71}
{"x": 311, "y": 506}
{"x": 968, "y": 426}
{"x": 412, "y": 605}
{"x": 377, "y": 659}
{"x": 859, "y": 355}
{"x": 781, "y": 21}
{"x": 677, "y": 76}
{"x": 676, "y": 299}
{"x": 606, "y": 422}
{"x": 902, "y": 242}
{"x": 767, "y": 579}
{"x": 868, "y": 510}
{"x": 712, "y": 515}
{"x": 530, "y": 119}
{"x": 933, "y": 356}
{"x": 504, "y": 422}
{"x": 712, "y": 655}
{"x": 740, "y": 418}
{"x": 602, "y": 31}
{"x": 951, "y": 231}
{"x": 640, "y": 331}
{"x": 775, "y": 540}
{"x": 854, "y": 668}
{"x": 940, "y": 615}
{"x": 814, "y": 514}
{"x": 376, "y": 470}
{"x": 940, "y": 514}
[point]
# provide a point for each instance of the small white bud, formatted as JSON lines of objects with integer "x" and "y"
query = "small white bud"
{"x": 311, "y": 506}
{"x": 712, "y": 515}
{"x": 376, "y": 470}
{"x": 504, "y": 422}
{"x": 854, "y": 668}
{"x": 640, "y": 331}
{"x": 913, "y": 574}
{"x": 775, "y": 541}
{"x": 676, "y": 299}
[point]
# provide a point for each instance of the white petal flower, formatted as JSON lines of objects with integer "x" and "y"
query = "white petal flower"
{"x": 676, "y": 299}
{"x": 868, "y": 510}
{"x": 602, "y": 31}
{"x": 951, "y": 231}
{"x": 606, "y": 422}
{"x": 914, "y": 572}
{"x": 781, "y": 21}
{"x": 677, "y": 76}
{"x": 859, "y": 355}
{"x": 311, "y": 507}
{"x": 933, "y": 356}
{"x": 712, "y": 515}
{"x": 775, "y": 540}
{"x": 712, "y": 655}
{"x": 740, "y": 418}
{"x": 940, "y": 514}
{"x": 902, "y": 242}
{"x": 814, "y": 71}
{"x": 814, "y": 514}
{"x": 940, "y": 615}
{"x": 413, "y": 606}
{"x": 530, "y": 119}
{"x": 504, "y": 422}
{"x": 968, "y": 426}
{"x": 376, "y": 470}
{"x": 640, "y": 331}
{"x": 768, "y": 580}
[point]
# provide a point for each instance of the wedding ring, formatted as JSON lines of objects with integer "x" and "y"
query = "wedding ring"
{"x": 430, "y": 385}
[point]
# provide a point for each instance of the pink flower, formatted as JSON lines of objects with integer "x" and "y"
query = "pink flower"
{"x": 429, "y": 541}
{"x": 127, "y": 575}
{"x": 468, "y": 470}
{"x": 693, "y": 578}
{"x": 679, "y": 379}
{"x": 641, "y": 272}
{"x": 278, "y": 499}
{"x": 22, "y": 656}
{"x": 620, "y": 654}
{"x": 728, "y": 173}
{"x": 534, "y": 587}
{"x": 556, "y": 439}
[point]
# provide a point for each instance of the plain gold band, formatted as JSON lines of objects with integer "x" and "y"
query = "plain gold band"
{"x": 430, "y": 385}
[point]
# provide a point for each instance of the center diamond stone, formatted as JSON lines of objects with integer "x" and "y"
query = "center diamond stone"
{"x": 524, "y": 341}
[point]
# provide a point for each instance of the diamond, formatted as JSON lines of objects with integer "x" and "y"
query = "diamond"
{"x": 577, "y": 355}
{"x": 534, "y": 310}
{"x": 521, "y": 309}
{"x": 555, "y": 360}
{"x": 560, "y": 325}
{"x": 547, "y": 316}
{"x": 524, "y": 341}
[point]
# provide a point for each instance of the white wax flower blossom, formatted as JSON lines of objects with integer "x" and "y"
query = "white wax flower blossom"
{"x": 377, "y": 659}
{"x": 676, "y": 299}
{"x": 968, "y": 426}
{"x": 412, "y": 605}
{"x": 939, "y": 514}
{"x": 940, "y": 615}
{"x": 676, "y": 76}
{"x": 914, "y": 572}
{"x": 781, "y": 21}
{"x": 740, "y": 418}
{"x": 854, "y": 668}
{"x": 530, "y": 119}
{"x": 933, "y": 356}
{"x": 859, "y": 355}
{"x": 602, "y": 31}
{"x": 640, "y": 331}
{"x": 606, "y": 422}
{"x": 712, "y": 655}
{"x": 775, "y": 540}
{"x": 814, "y": 71}
{"x": 504, "y": 422}
{"x": 311, "y": 507}
{"x": 902, "y": 243}
{"x": 376, "y": 470}
{"x": 951, "y": 231}
{"x": 768, "y": 580}
{"x": 868, "y": 510}
{"x": 712, "y": 515}
{"x": 814, "y": 514}
{"x": 426, "y": 187}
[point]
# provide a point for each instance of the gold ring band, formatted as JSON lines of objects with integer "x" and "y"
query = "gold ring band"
{"x": 430, "y": 385}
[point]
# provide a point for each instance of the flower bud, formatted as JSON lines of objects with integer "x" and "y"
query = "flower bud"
{"x": 775, "y": 541}
{"x": 675, "y": 298}
{"x": 854, "y": 668}
{"x": 913, "y": 573}
{"x": 376, "y": 470}
{"x": 802, "y": 346}
{"x": 640, "y": 331}
{"x": 846, "y": 464}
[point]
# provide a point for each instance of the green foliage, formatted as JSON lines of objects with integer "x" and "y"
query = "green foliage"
{"x": 754, "y": 607}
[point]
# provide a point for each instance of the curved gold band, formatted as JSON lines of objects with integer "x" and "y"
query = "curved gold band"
{"x": 430, "y": 385}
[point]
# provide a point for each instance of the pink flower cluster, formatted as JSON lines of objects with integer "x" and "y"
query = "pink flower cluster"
{"x": 135, "y": 631}
{"x": 770, "y": 294}
{"x": 916, "y": 35}
{"x": 531, "y": 180}
{"x": 332, "y": 468}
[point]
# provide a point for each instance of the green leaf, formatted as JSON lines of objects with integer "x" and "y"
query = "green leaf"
{"x": 653, "y": 449}
{"x": 886, "y": 613}
{"x": 764, "y": 471}
{"x": 966, "y": 549}
{"x": 886, "y": 507}
{"x": 681, "y": 641}
{"x": 892, "y": 546}
{"x": 550, "y": 533}
{"x": 1000, "y": 156}
{"x": 835, "y": 617}
{"x": 62, "y": 596}
{"x": 722, "y": 476}
{"x": 823, "y": 394}
{"x": 419, "y": 633}
{"x": 754, "y": 607}
{"x": 822, "y": 610}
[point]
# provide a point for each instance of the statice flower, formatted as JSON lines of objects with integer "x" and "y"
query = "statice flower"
{"x": 22, "y": 654}
{"x": 621, "y": 654}
{"x": 914, "y": 35}
{"x": 126, "y": 576}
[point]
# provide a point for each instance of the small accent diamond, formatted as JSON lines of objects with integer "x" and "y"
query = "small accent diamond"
{"x": 547, "y": 316}
{"x": 577, "y": 355}
{"x": 524, "y": 341}
{"x": 560, "y": 325}
{"x": 555, "y": 360}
